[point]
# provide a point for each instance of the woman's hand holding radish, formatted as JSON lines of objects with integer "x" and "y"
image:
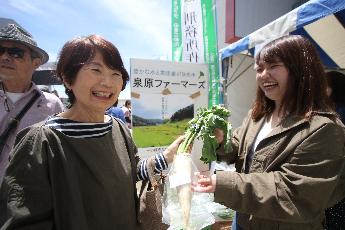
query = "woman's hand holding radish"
{"x": 207, "y": 184}
{"x": 202, "y": 127}
{"x": 170, "y": 152}
{"x": 204, "y": 184}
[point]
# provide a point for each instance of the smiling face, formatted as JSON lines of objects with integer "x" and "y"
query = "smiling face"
{"x": 272, "y": 78}
{"x": 95, "y": 88}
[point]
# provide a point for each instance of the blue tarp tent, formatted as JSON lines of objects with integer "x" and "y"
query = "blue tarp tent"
{"x": 322, "y": 21}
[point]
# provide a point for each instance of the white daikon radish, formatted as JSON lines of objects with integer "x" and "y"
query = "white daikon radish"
{"x": 202, "y": 126}
{"x": 183, "y": 166}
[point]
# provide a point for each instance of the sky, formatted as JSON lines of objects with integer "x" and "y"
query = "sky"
{"x": 139, "y": 28}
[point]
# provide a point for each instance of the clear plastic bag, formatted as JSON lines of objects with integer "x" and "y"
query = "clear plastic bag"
{"x": 201, "y": 204}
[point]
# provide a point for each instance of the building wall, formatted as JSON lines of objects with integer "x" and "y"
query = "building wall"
{"x": 253, "y": 14}
{"x": 220, "y": 12}
{"x": 250, "y": 15}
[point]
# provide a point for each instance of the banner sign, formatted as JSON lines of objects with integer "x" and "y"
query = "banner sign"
{"x": 169, "y": 80}
{"x": 165, "y": 96}
{"x": 161, "y": 77}
{"x": 194, "y": 38}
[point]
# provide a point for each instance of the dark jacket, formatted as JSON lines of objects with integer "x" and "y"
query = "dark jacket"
{"x": 65, "y": 183}
{"x": 296, "y": 173}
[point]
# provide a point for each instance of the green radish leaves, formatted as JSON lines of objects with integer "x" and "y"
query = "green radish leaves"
{"x": 203, "y": 126}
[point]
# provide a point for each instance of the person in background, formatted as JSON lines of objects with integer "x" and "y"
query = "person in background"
{"x": 335, "y": 216}
{"x": 78, "y": 169}
{"x": 127, "y": 110}
{"x": 44, "y": 88}
{"x": 55, "y": 92}
{"x": 336, "y": 91}
{"x": 289, "y": 150}
{"x": 19, "y": 57}
{"x": 115, "y": 111}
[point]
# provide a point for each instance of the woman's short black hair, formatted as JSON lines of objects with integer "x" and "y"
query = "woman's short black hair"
{"x": 80, "y": 51}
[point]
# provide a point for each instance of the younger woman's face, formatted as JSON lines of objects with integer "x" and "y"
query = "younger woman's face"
{"x": 272, "y": 78}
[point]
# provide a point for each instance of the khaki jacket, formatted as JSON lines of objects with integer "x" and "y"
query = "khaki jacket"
{"x": 297, "y": 172}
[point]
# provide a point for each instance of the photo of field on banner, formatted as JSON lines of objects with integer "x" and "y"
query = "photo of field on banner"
{"x": 165, "y": 97}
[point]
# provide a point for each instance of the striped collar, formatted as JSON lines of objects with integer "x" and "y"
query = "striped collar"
{"x": 79, "y": 129}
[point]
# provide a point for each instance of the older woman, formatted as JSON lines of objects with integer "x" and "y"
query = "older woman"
{"x": 289, "y": 151}
{"x": 78, "y": 169}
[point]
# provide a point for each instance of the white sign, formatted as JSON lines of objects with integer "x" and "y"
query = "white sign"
{"x": 164, "y": 77}
{"x": 164, "y": 95}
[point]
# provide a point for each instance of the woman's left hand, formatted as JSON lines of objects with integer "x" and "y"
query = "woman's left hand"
{"x": 204, "y": 184}
{"x": 170, "y": 152}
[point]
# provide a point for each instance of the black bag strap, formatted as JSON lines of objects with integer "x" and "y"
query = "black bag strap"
{"x": 15, "y": 121}
{"x": 132, "y": 160}
{"x": 130, "y": 152}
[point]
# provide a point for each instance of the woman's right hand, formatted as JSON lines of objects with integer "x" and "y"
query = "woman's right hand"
{"x": 204, "y": 184}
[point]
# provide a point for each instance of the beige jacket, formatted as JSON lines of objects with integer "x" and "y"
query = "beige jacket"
{"x": 296, "y": 173}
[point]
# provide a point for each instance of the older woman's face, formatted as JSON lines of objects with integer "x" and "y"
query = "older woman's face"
{"x": 96, "y": 86}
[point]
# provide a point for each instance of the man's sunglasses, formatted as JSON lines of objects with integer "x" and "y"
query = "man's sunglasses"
{"x": 14, "y": 52}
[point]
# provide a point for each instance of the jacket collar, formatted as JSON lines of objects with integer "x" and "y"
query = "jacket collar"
{"x": 254, "y": 129}
{"x": 288, "y": 123}
{"x": 9, "y": 105}
{"x": 33, "y": 87}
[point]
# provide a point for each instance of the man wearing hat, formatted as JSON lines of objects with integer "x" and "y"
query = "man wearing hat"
{"x": 21, "y": 102}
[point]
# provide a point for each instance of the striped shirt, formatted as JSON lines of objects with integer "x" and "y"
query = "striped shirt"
{"x": 78, "y": 129}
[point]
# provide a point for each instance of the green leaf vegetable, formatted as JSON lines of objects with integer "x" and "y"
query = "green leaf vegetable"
{"x": 203, "y": 126}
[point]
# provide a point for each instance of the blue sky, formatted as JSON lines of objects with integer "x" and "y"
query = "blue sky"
{"x": 139, "y": 28}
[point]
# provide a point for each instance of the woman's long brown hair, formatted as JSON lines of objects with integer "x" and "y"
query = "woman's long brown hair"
{"x": 306, "y": 91}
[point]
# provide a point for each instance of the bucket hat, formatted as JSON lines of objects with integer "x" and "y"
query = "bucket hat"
{"x": 12, "y": 31}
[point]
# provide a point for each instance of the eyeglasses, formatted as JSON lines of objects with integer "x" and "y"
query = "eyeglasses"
{"x": 14, "y": 52}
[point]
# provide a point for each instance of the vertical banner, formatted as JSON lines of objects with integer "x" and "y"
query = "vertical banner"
{"x": 194, "y": 38}
{"x": 211, "y": 49}
{"x": 176, "y": 31}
